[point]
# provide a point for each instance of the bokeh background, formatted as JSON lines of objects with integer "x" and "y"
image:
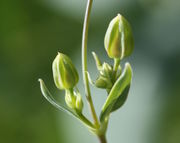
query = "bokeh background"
{"x": 33, "y": 31}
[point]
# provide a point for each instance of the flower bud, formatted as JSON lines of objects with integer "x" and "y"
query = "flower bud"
{"x": 103, "y": 82}
{"x": 70, "y": 99}
{"x": 74, "y": 101}
{"x": 104, "y": 79}
{"x": 64, "y": 73}
{"x": 118, "y": 40}
{"x": 79, "y": 103}
{"x": 106, "y": 70}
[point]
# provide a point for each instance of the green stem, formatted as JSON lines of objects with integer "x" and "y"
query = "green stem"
{"x": 102, "y": 139}
{"x": 84, "y": 62}
{"x": 115, "y": 68}
{"x": 86, "y": 121}
{"x": 116, "y": 64}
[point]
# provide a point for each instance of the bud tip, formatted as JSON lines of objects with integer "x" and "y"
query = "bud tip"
{"x": 39, "y": 80}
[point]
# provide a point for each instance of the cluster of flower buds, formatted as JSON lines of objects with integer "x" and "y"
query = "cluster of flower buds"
{"x": 74, "y": 101}
{"x": 118, "y": 44}
{"x": 107, "y": 76}
{"x": 66, "y": 77}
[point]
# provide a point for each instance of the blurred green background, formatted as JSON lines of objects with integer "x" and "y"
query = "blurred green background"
{"x": 33, "y": 31}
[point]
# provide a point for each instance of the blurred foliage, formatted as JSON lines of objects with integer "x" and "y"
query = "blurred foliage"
{"x": 168, "y": 127}
{"x": 30, "y": 37}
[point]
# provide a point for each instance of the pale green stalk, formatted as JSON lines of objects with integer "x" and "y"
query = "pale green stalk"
{"x": 116, "y": 64}
{"x": 115, "y": 67}
{"x": 84, "y": 62}
{"x": 102, "y": 138}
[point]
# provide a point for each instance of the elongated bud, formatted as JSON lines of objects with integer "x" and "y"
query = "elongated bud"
{"x": 79, "y": 103}
{"x": 118, "y": 40}
{"x": 64, "y": 73}
{"x": 74, "y": 101}
{"x": 70, "y": 99}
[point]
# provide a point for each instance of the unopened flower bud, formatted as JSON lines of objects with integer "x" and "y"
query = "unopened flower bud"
{"x": 104, "y": 79}
{"x": 79, "y": 103}
{"x": 74, "y": 101}
{"x": 70, "y": 99}
{"x": 103, "y": 82}
{"x": 107, "y": 70}
{"x": 118, "y": 40}
{"x": 64, "y": 73}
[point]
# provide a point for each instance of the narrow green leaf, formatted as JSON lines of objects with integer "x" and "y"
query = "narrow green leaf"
{"x": 49, "y": 97}
{"x": 117, "y": 90}
{"x": 61, "y": 107}
{"x": 97, "y": 60}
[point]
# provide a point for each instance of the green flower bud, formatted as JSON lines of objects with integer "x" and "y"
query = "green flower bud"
{"x": 74, "y": 101}
{"x": 79, "y": 103}
{"x": 70, "y": 99}
{"x": 118, "y": 40}
{"x": 106, "y": 70}
{"x": 104, "y": 79}
{"x": 103, "y": 82}
{"x": 64, "y": 73}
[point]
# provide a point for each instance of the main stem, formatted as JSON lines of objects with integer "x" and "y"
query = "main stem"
{"x": 102, "y": 139}
{"x": 84, "y": 62}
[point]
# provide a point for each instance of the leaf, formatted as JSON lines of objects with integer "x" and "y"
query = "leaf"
{"x": 121, "y": 99}
{"x": 120, "y": 88}
{"x": 61, "y": 107}
{"x": 97, "y": 60}
{"x": 50, "y": 98}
